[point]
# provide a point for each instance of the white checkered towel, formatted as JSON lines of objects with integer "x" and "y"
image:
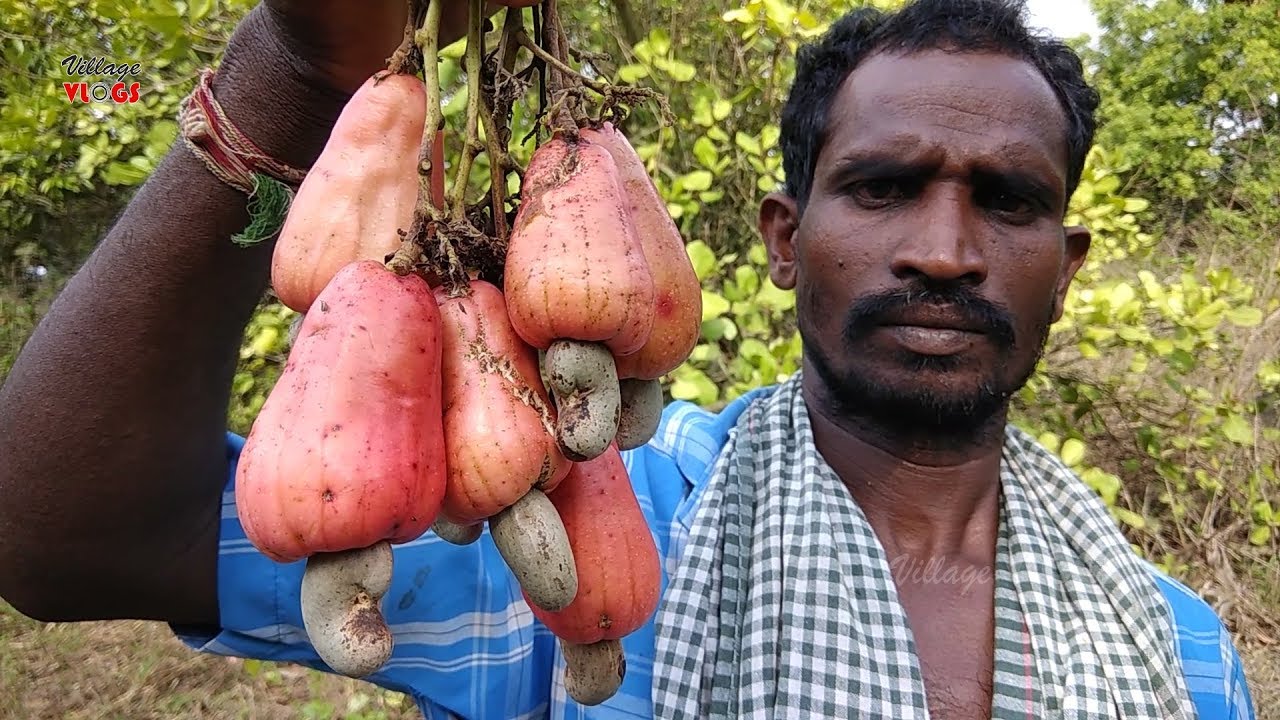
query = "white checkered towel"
{"x": 784, "y": 605}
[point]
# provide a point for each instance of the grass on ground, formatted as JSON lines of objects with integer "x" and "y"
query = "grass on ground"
{"x": 134, "y": 670}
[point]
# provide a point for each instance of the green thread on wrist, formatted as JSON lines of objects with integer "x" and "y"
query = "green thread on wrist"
{"x": 268, "y": 207}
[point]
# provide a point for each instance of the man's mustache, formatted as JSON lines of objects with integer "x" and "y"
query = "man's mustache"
{"x": 871, "y": 311}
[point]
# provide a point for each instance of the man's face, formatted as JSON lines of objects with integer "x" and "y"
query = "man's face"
{"x": 931, "y": 259}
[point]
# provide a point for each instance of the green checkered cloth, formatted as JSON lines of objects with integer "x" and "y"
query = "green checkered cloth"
{"x": 784, "y": 604}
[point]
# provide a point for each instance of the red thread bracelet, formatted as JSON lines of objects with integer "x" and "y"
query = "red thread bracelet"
{"x": 225, "y": 150}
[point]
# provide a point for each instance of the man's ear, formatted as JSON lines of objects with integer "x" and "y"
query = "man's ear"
{"x": 778, "y": 222}
{"x": 1078, "y": 240}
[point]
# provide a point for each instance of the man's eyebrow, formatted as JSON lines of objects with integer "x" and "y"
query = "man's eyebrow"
{"x": 881, "y": 164}
{"x": 1019, "y": 181}
{"x": 898, "y": 165}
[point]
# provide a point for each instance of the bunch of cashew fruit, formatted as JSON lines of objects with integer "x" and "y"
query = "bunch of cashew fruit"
{"x": 469, "y": 355}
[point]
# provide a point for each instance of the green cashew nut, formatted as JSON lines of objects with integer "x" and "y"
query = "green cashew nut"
{"x": 641, "y": 412}
{"x": 532, "y": 540}
{"x": 583, "y": 379}
{"x": 341, "y": 608}
{"x": 457, "y": 534}
{"x": 593, "y": 672}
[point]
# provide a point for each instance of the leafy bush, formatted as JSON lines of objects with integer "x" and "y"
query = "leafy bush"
{"x": 1143, "y": 389}
{"x": 52, "y": 150}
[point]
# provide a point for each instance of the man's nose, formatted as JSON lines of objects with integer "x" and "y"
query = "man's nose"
{"x": 943, "y": 242}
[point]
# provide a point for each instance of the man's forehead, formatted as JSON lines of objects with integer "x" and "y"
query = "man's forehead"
{"x": 975, "y": 98}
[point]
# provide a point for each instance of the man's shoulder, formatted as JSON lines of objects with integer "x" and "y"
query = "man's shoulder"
{"x": 1210, "y": 662}
{"x": 1188, "y": 607}
{"x": 692, "y": 436}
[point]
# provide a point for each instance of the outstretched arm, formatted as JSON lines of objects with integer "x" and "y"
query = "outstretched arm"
{"x": 112, "y": 420}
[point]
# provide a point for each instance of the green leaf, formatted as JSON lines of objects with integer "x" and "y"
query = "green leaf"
{"x": 747, "y": 280}
{"x": 705, "y": 353}
{"x": 454, "y": 51}
{"x": 697, "y": 180}
{"x": 1245, "y": 317}
{"x": 1121, "y": 294}
{"x": 705, "y": 151}
{"x": 773, "y": 297}
{"x": 747, "y": 143}
{"x": 198, "y": 10}
{"x": 169, "y": 26}
{"x": 118, "y": 173}
{"x": 1136, "y": 205}
{"x": 1050, "y": 441}
{"x": 713, "y": 305}
{"x": 703, "y": 259}
{"x": 1104, "y": 483}
{"x": 659, "y": 41}
{"x": 752, "y": 349}
{"x": 769, "y": 136}
{"x": 1072, "y": 452}
{"x": 680, "y": 71}
{"x": 780, "y": 13}
{"x": 90, "y": 158}
{"x": 1182, "y": 361}
{"x": 1238, "y": 430}
{"x": 267, "y": 341}
{"x": 318, "y": 710}
{"x": 1130, "y": 518}
{"x": 719, "y": 328}
{"x": 693, "y": 385}
{"x": 1260, "y": 535}
{"x": 630, "y": 74}
{"x": 457, "y": 104}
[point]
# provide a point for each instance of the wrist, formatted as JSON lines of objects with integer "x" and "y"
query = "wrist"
{"x": 276, "y": 99}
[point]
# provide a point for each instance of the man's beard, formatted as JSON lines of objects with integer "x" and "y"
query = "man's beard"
{"x": 928, "y": 410}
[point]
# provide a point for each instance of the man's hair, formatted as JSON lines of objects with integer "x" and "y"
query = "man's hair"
{"x": 961, "y": 25}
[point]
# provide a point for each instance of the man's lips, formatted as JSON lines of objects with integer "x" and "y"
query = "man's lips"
{"x": 933, "y": 318}
{"x": 932, "y": 330}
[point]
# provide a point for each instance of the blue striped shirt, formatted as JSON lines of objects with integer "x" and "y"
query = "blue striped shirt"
{"x": 466, "y": 644}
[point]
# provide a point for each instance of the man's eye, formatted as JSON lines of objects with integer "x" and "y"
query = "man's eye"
{"x": 1010, "y": 203}
{"x": 877, "y": 192}
{"x": 1012, "y": 206}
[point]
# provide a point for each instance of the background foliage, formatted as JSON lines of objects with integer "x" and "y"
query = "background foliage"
{"x": 1161, "y": 385}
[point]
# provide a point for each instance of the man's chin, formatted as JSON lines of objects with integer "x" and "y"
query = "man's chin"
{"x": 920, "y": 409}
{"x": 929, "y": 400}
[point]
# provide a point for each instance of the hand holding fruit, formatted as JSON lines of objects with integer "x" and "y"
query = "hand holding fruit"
{"x": 451, "y": 371}
{"x": 346, "y": 41}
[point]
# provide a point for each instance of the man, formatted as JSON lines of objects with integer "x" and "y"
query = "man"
{"x": 868, "y": 539}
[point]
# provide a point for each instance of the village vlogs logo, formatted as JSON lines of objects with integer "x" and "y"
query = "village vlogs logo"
{"x": 118, "y": 88}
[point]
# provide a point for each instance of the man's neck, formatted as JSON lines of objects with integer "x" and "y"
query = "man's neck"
{"x": 923, "y": 500}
